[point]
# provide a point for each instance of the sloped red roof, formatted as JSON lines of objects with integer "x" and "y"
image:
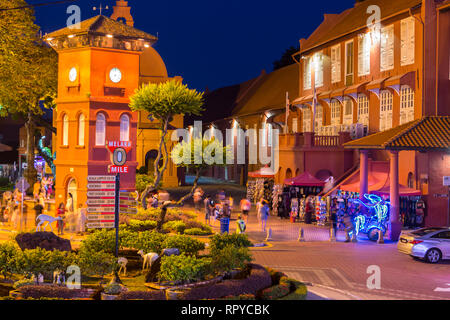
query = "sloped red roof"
{"x": 306, "y": 179}
{"x": 354, "y": 19}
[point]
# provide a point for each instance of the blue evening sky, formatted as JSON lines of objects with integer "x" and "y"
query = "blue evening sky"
{"x": 213, "y": 43}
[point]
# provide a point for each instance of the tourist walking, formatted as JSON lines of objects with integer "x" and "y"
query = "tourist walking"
{"x": 264, "y": 213}
{"x": 240, "y": 225}
{"x": 198, "y": 194}
{"x": 246, "y": 205}
{"x": 209, "y": 206}
{"x": 81, "y": 219}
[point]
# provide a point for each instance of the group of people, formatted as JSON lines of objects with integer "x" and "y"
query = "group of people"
{"x": 218, "y": 209}
{"x": 43, "y": 188}
{"x": 10, "y": 208}
{"x": 73, "y": 221}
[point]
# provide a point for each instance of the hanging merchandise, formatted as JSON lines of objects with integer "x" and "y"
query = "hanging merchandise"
{"x": 322, "y": 211}
{"x": 341, "y": 213}
{"x": 302, "y": 209}
{"x": 251, "y": 190}
{"x": 276, "y": 193}
{"x": 294, "y": 209}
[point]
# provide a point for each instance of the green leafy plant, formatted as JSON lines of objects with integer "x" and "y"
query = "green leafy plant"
{"x": 275, "y": 292}
{"x": 220, "y": 241}
{"x": 184, "y": 268}
{"x": 8, "y": 256}
{"x": 185, "y": 244}
{"x": 230, "y": 258}
{"x": 34, "y": 262}
{"x": 197, "y": 232}
{"x": 114, "y": 288}
{"x": 141, "y": 225}
{"x": 148, "y": 241}
{"x": 96, "y": 262}
{"x": 174, "y": 226}
{"x": 24, "y": 282}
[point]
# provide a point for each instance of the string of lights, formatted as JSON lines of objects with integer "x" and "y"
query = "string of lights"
{"x": 37, "y": 5}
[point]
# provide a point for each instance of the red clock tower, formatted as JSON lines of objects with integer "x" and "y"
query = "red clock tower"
{"x": 98, "y": 71}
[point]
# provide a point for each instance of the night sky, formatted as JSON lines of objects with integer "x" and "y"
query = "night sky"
{"x": 213, "y": 43}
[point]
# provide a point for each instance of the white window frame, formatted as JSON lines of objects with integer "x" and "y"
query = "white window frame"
{"x": 386, "y": 106}
{"x": 335, "y": 106}
{"x": 387, "y": 48}
{"x": 407, "y": 41}
{"x": 65, "y": 137}
{"x": 307, "y": 74}
{"x": 318, "y": 69}
{"x": 363, "y": 109}
{"x": 336, "y": 64}
{"x": 318, "y": 118}
{"x": 307, "y": 116}
{"x": 407, "y": 96}
{"x": 364, "y": 46}
{"x": 81, "y": 129}
{"x": 351, "y": 62}
{"x": 295, "y": 125}
{"x": 100, "y": 130}
{"x": 124, "y": 127}
{"x": 348, "y": 111}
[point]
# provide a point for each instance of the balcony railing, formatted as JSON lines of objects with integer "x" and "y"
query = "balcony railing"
{"x": 326, "y": 141}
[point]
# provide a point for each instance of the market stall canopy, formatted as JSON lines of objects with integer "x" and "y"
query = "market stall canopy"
{"x": 306, "y": 179}
{"x": 265, "y": 172}
{"x": 5, "y": 148}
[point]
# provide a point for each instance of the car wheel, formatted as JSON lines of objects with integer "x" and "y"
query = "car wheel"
{"x": 373, "y": 234}
{"x": 433, "y": 256}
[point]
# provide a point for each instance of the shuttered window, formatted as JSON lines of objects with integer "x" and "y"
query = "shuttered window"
{"x": 294, "y": 125}
{"x": 307, "y": 74}
{"x": 408, "y": 40}
{"x": 335, "y": 112}
{"x": 387, "y": 48}
{"x": 386, "y": 99}
{"x": 406, "y": 104}
{"x": 100, "y": 130}
{"x": 65, "y": 139}
{"x": 336, "y": 64}
{"x": 318, "y": 70}
{"x": 81, "y": 130}
{"x": 306, "y": 120}
{"x": 348, "y": 111}
{"x": 363, "y": 55}
{"x": 318, "y": 118}
{"x": 363, "y": 109}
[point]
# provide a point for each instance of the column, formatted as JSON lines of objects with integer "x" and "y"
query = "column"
{"x": 363, "y": 173}
{"x": 396, "y": 226}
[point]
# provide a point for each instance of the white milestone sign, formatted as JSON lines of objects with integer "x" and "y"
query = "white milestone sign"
{"x": 101, "y": 186}
{"x": 95, "y": 194}
{"x": 101, "y": 178}
{"x": 94, "y": 202}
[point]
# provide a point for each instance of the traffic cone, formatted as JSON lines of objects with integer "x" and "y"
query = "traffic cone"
{"x": 269, "y": 235}
{"x": 301, "y": 235}
{"x": 380, "y": 237}
{"x": 332, "y": 235}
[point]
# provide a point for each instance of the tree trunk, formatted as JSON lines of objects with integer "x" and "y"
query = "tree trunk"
{"x": 30, "y": 172}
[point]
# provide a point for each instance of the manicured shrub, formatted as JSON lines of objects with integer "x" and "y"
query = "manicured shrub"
{"x": 258, "y": 279}
{"x": 148, "y": 241}
{"x": 143, "y": 180}
{"x": 220, "y": 241}
{"x": 105, "y": 240}
{"x": 177, "y": 226}
{"x": 230, "y": 258}
{"x": 184, "y": 268}
{"x": 299, "y": 293}
{"x": 8, "y": 257}
{"x": 185, "y": 244}
{"x": 37, "y": 292}
{"x": 34, "y": 262}
{"x": 114, "y": 288}
{"x": 196, "y": 232}
{"x": 142, "y": 295}
{"x": 96, "y": 262}
{"x": 275, "y": 292}
{"x": 135, "y": 225}
{"x": 275, "y": 275}
{"x": 24, "y": 282}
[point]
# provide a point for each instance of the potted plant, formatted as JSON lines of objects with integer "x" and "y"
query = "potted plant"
{"x": 112, "y": 290}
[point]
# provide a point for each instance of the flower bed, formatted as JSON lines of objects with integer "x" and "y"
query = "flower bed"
{"x": 44, "y": 291}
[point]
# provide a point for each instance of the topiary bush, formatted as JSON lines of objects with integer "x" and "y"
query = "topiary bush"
{"x": 135, "y": 225}
{"x": 8, "y": 258}
{"x": 148, "y": 241}
{"x": 220, "y": 241}
{"x": 230, "y": 258}
{"x": 176, "y": 226}
{"x": 185, "y": 244}
{"x": 184, "y": 268}
{"x": 197, "y": 232}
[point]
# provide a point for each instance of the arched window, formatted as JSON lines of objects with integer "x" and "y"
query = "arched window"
{"x": 65, "y": 140}
{"x": 406, "y": 104}
{"x": 335, "y": 112}
{"x": 363, "y": 109}
{"x": 124, "y": 128}
{"x": 411, "y": 180}
{"x": 81, "y": 130}
{"x": 386, "y": 99}
{"x": 100, "y": 130}
{"x": 288, "y": 173}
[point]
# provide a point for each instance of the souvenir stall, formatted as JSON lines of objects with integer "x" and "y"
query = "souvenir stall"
{"x": 260, "y": 185}
{"x": 277, "y": 196}
{"x": 297, "y": 190}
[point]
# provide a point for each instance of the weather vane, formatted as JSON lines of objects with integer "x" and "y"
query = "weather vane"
{"x": 100, "y": 8}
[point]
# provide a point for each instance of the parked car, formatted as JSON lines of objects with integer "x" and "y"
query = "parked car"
{"x": 430, "y": 244}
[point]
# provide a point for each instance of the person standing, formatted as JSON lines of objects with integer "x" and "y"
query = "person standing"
{"x": 240, "y": 225}
{"x": 246, "y": 205}
{"x": 60, "y": 213}
{"x": 209, "y": 205}
{"x": 198, "y": 194}
{"x": 333, "y": 216}
{"x": 309, "y": 210}
{"x": 38, "y": 209}
{"x": 81, "y": 219}
{"x": 264, "y": 212}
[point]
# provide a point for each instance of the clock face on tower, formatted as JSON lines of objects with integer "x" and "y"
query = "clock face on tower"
{"x": 73, "y": 74}
{"x": 115, "y": 75}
